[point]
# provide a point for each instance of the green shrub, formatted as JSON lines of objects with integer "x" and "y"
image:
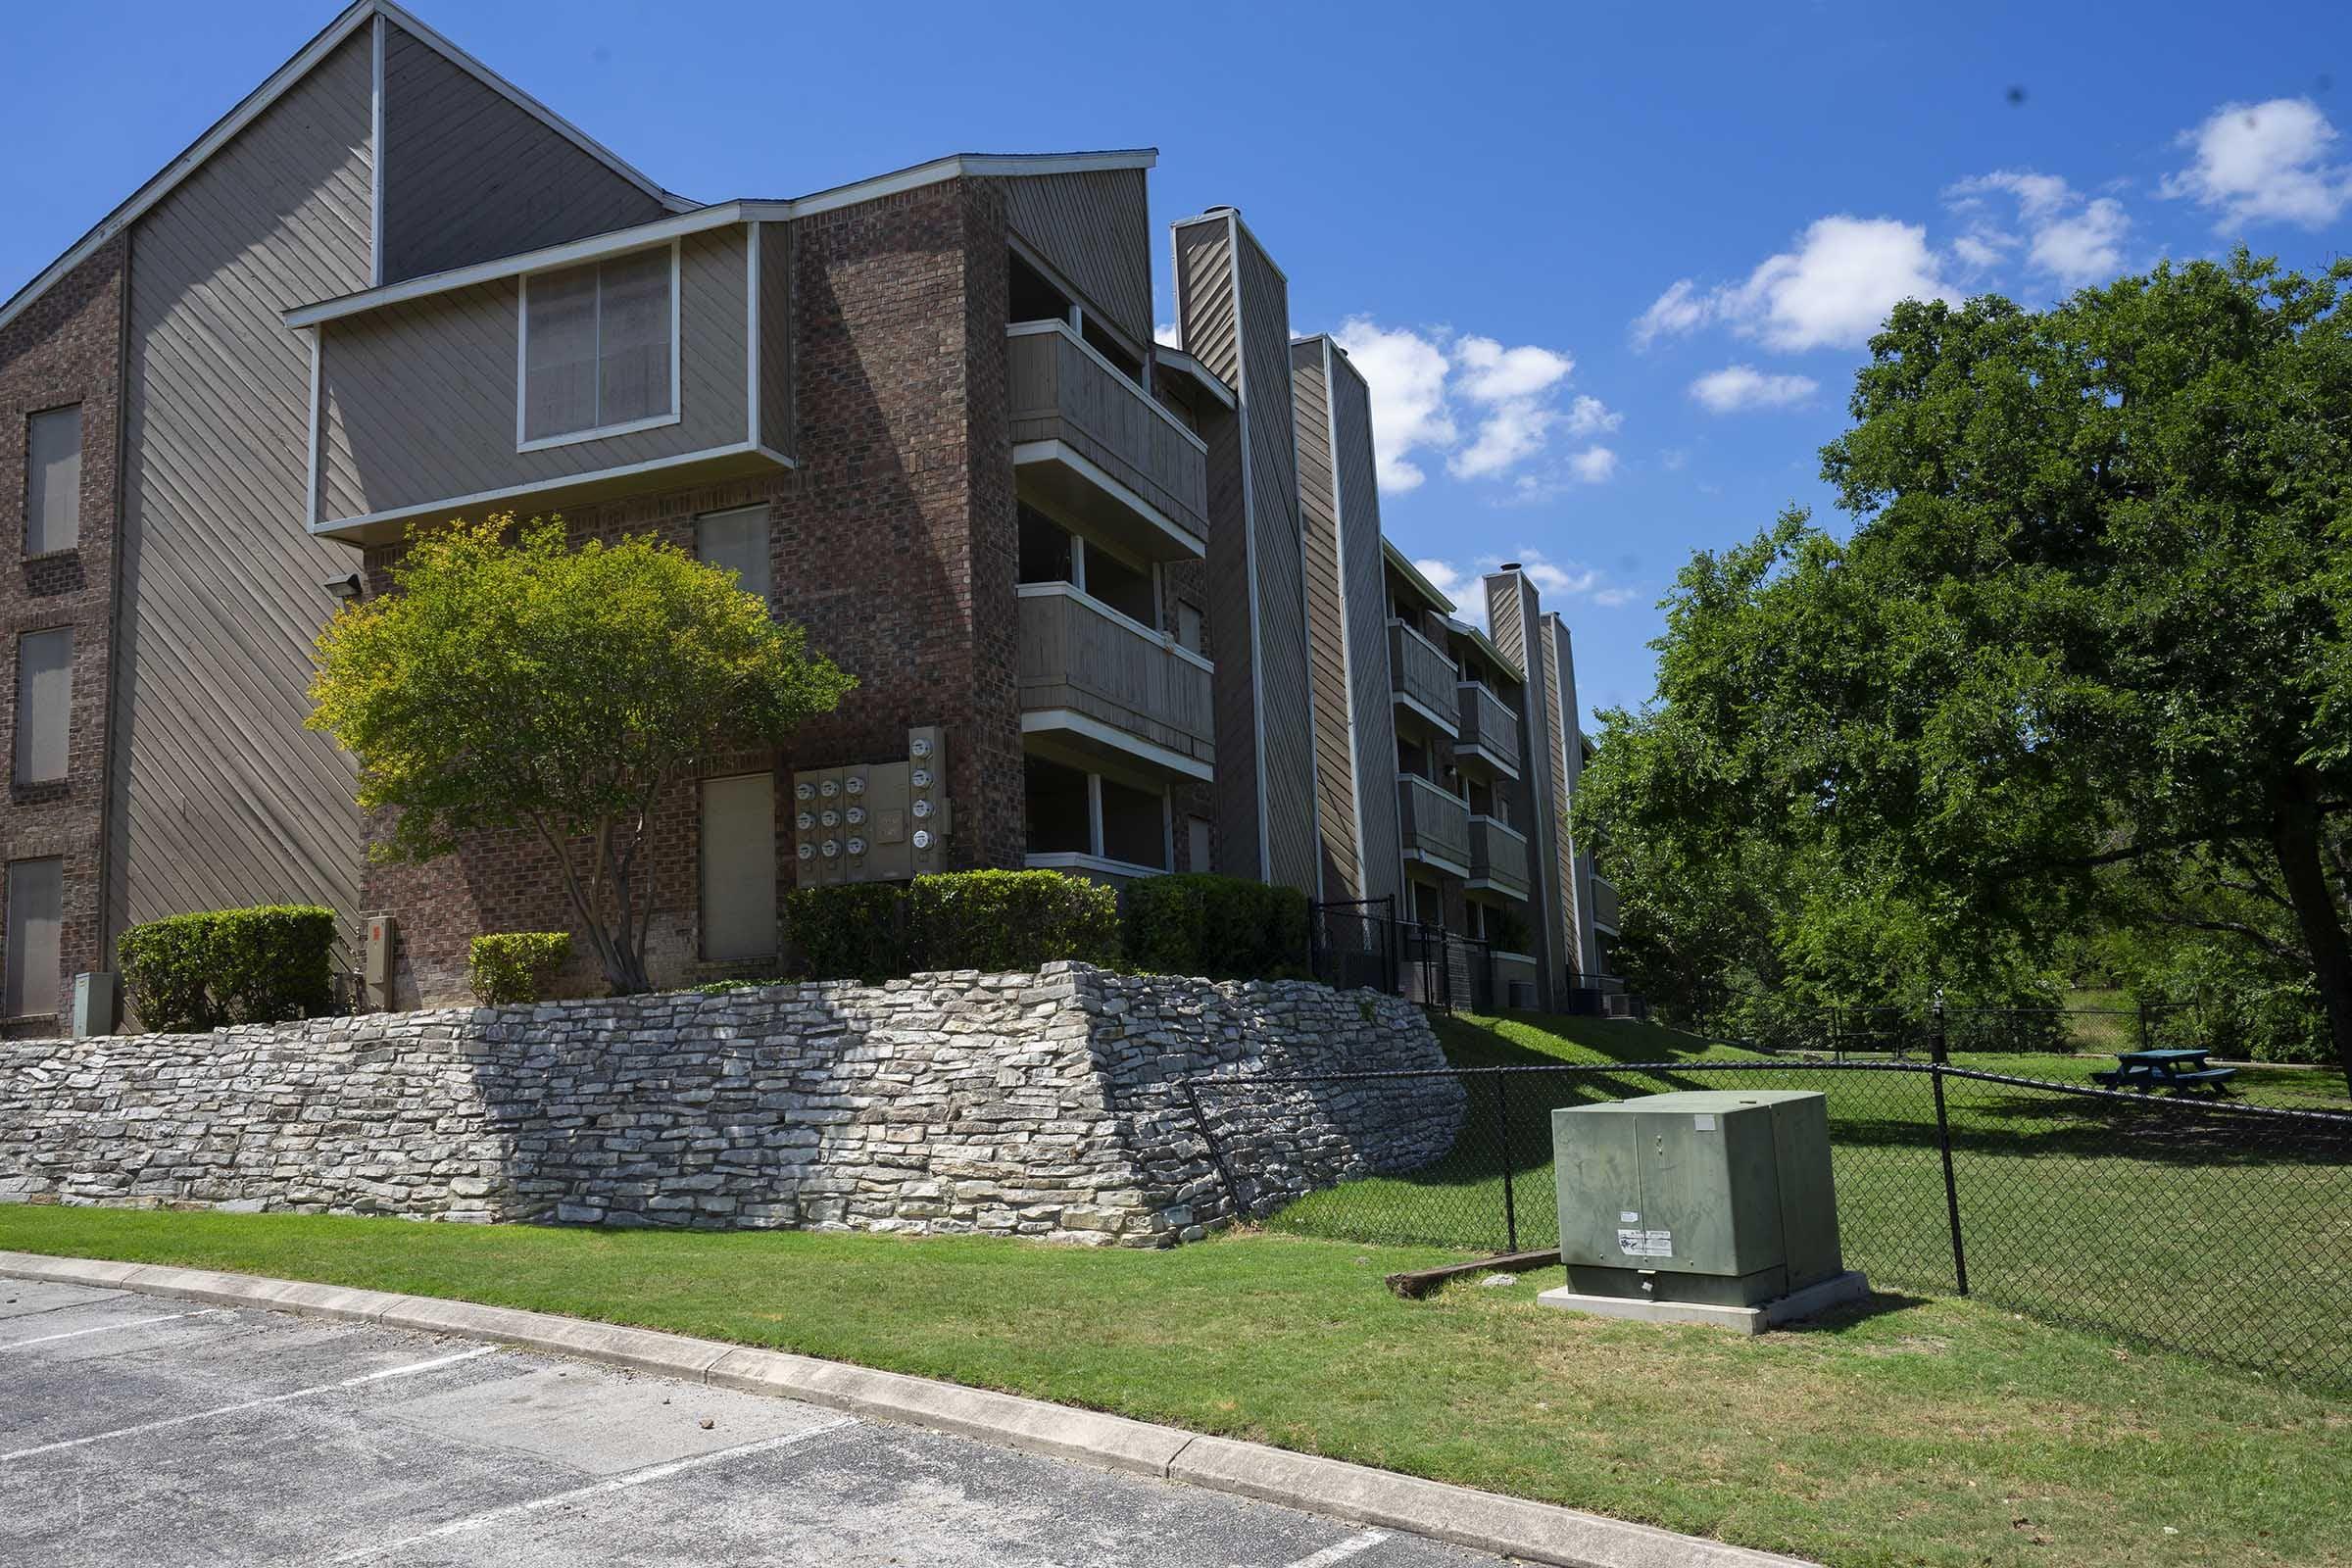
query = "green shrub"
{"x": 854, "y": 931}
{"x": 187, "y": 973}
{"x": 508, "y": 966}
{"x": 995, "y": 920}
{"x": 1219, "y": 926}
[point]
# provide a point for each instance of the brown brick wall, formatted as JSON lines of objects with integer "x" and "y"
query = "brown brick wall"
{"x": 66, "y": 348}
{"x": 894, "y": 544}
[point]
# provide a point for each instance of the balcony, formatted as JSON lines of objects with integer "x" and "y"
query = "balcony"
{"x": 1422, "y": 676}
{"x": 1490, "y": 729}
{"x": 1107, "y": 686}
{"x": 1090, "y": 446}
{"x": 1604, "y": 904}
{"x": 1498, "y": 857}
{"x": 1436, "y": 825}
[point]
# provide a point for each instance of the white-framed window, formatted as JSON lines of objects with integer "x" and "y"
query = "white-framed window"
{"x": 53, "y": 480}
{"x": 44, "y": 706}
{"x": 739, "y": 866}
{"x": 32, "y": 983}
{"x": 599, "y": 351}
{"x": 737, "y": 540}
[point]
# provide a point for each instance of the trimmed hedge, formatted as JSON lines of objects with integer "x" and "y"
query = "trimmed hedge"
{"x": 1222, "y": 927}
{"x": 992, "y": 920}
{"x": 188, "y": 973}
{"x": 511, "y": 966}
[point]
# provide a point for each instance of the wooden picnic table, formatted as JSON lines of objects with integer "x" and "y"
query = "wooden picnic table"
{"x": 2177, "y": 1069}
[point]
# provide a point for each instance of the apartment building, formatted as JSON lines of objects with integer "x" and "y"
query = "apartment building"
{"x": 1091, "y": 584}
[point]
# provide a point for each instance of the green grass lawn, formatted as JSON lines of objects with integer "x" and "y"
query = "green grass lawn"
{"x": 2125, "y": 1220}
{"x": 1921, "y": 1432}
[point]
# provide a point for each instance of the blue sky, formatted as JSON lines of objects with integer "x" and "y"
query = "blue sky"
{"x": 1609, "y": 266}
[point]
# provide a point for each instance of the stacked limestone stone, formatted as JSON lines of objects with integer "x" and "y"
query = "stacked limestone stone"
{"x": 1035, "y": 1105}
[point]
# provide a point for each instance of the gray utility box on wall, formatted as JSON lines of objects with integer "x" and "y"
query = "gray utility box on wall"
{"x": 1717, "y": 1198}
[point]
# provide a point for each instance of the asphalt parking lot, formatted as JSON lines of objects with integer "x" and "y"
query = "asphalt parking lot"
{"x": 141, "y": 1430}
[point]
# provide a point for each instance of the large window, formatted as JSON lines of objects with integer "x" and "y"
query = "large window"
{"x": 44, "y": 705}
{"x": 738, "y": 541}
{"x": 739, "y": 866}
{"x": 53, "y": 480}
{"x": 598, "y": 348}
{"x": 32, "y": 985}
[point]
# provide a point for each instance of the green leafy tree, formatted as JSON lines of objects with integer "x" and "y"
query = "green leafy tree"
{"x": 2093, "y": 614}
{"x": 512, "y": 682}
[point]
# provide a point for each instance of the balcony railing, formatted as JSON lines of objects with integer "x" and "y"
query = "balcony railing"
{"x": 1422, "y": 674}
{"x": 1091, "y": 443}
{"x": 1604, "y": 902}
{"x": 1436, "y": 825}
{"x": 1497, "y": 857}
{"x": 1112, "y": 683}
{"x": 1488, "y": 726}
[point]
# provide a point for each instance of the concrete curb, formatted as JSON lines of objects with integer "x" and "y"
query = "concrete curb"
{"x": 1508, "y": 1527}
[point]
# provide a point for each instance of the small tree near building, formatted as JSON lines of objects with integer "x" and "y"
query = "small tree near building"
{"x": 514, "y": 682}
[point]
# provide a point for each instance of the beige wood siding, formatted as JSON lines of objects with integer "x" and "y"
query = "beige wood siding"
{"x": 1512, "y": 621}
{"x": 1326, "y": 624}
{"x": 777, "y": 382}
{"x": 219, "y": 797}
{"x": 1095, "y": 227}
{"x": 1207, "y": 308}
{"x": 418, "y": 399}
{"x": 1366, "y": 593}
{"x": 1566, "y": 742}
{"x": 469, "y": 175}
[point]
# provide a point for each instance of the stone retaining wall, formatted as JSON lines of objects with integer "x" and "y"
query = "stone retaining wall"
{"x": 1038, "y": 1105}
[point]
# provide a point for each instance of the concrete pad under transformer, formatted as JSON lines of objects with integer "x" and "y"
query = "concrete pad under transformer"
{"x": 1811, "y": 1302}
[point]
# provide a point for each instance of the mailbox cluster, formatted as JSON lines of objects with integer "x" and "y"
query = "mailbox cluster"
{"x": 873, "y": 821}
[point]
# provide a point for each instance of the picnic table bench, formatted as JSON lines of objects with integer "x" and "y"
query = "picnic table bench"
{"x": 2178, "y": 1071}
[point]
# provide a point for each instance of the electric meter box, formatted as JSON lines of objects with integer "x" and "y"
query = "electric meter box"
{"x": 1718, "y": 1197}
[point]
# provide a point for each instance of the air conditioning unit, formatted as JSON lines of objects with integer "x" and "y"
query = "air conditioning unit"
{"x": 1709, "y": 1207}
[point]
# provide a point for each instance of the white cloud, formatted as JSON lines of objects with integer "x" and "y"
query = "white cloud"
{"x": 1589, "y": 416}
{"x": 1168, "y": 335}
{"x": 1463, "y": 582}
{"x": 1838, "y": 285}
{"x": 1611, "y": 598}
{"x": 2070, "y": 239}
{"x": 1833, "y": 290}
{"x": 1406, "y": 372}
{"x": 1595, "y": 464}
{"x": 2259, "y": 163}
{"x": 1429, "y": 388}
{"x": 1736, "y": 388}
{"x": 1677, "y": 311}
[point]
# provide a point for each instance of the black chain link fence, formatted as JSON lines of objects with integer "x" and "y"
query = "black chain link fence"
{"x": 2216, "y": 1228}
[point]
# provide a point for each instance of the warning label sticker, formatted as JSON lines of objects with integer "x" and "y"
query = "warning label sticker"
{"x": 1646, "y": 1244}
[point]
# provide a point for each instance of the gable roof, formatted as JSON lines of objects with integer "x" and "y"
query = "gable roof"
{"x": 363, "y": 13}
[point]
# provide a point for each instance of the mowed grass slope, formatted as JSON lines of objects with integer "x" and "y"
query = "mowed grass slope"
{"x": 1937, "y": 1433}
{"x": 2221, "y": 1235}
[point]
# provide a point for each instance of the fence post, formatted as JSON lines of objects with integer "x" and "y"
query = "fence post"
{"x": 1216, "y": 1152}
{"x": 1511, "y": 1172}
{"x": 1938, "y": 1053}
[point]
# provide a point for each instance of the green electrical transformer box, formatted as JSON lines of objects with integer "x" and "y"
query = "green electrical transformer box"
{"x": 1718, "y": 1197}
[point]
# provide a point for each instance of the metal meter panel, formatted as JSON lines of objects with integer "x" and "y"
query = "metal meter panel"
{"x": 1717, "y": 1197}
{"x": 927, "y": 798}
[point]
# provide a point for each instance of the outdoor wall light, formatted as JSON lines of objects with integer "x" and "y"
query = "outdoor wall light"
{"x": 348, "y": 588}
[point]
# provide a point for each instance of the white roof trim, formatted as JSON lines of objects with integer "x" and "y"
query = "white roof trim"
{"x": 1177, "y": 360}
{"x": 715, "y": 215}
{"x": 274, "y": 87}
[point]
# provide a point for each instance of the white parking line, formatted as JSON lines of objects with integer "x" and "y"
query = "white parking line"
{"x": 598, "y": 1489}
{"x": 1343, "y": 1550}
{"x": 129, "y": 1323}
{"x": 249, "y": 1404}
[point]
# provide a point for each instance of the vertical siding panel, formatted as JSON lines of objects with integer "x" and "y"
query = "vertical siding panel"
{"x": 1357, "y": 488}
{"x": 469, "y": 175}
{"x": 1326, "y": 624}
{"x": 778, "y": 384}
{"x": 218, "y": 796}
{"x": 1096, "y": 227}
